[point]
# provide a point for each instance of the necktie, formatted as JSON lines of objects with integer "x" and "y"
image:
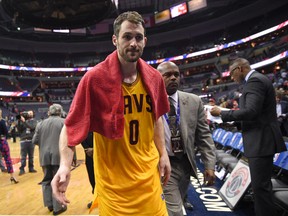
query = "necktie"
{"x": 172, "y": 117}
{"x": 176, "y": 142}
{"x": 172, "y": 111}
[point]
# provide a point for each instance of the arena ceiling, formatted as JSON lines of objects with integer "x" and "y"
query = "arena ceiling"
{"x": 19, "y": 17}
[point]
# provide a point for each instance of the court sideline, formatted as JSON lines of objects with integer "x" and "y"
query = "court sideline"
{"x": 25, "y": 198}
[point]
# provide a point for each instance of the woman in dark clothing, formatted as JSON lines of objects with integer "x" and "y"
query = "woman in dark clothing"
{"x": 4, "y": 149}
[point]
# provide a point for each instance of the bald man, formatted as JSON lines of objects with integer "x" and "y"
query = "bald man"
{"x": 262, "y": 136}
{"x": 185, "y": 127}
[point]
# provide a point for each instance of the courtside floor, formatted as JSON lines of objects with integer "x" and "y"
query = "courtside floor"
{"x": 25, "y": 198}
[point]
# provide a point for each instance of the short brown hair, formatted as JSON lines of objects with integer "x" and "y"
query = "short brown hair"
{"x": 131, "y": 16}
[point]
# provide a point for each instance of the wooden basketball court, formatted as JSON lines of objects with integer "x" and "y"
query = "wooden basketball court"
{"x": 25, "y": 198}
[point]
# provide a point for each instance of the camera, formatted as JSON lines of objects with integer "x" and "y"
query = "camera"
{"x": 24, "y": 114}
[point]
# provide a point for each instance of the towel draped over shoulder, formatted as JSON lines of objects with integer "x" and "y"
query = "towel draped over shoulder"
{"x": 98, "y": 104}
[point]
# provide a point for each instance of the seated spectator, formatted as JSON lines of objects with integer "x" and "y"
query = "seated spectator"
{"x": 282, "y": 113}
{"x": 211, "y": 102}
{"x": 223, "y": 103}
{"x": 235, "y": 105}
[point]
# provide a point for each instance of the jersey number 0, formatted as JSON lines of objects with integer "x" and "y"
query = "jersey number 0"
{"x": 134, "y": 132}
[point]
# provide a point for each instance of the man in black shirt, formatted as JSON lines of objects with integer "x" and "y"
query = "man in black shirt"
{"x": 26, "y": 127}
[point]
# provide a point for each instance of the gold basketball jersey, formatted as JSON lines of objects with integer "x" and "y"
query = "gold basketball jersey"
{"x": 127, "y": 175}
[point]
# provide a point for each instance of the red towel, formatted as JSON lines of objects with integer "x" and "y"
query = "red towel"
{"x": 98, "y": 104}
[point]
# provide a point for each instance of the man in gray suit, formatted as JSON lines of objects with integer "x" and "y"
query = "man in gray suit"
{"x": 185, "y": 129}
{"x": 262, "y": 137}
{"x": 46, "y": 136}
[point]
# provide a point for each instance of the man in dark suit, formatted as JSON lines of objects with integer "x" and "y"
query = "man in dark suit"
{"x": 261, "y": 133}
{"x": 185, "y": 128}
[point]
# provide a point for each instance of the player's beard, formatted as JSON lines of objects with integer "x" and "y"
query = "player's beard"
{"x": 131, "y": 55}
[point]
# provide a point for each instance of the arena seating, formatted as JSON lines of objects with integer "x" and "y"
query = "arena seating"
{"x": 40, "y": 108}
{"x": 231, "y": 142}
{"x": 280, "y": 181}
{"x": 281, "y": 200}
{"x": 230, "y": 160}
{"x": 230, "y": 150}
{"x": 6, "y": 85}
{"x": 28, "y": 84}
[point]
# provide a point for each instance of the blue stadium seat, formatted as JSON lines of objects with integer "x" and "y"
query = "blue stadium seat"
{"x": 281, "y": 159}
{"x": 215, "y": 133}
{"x": 218, "y": 135}
{"x": 231, "y": 141}
{"x": 234, "y": 153}
{"x": 280, "y": 186}
{"x": 229, "y": 161}
{"x": 225, "y": 139}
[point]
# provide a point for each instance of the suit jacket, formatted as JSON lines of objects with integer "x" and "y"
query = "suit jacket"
{"x": 47, "y": 135}
{"x": 260, "y": 129}
{"x": 195, "y": 131}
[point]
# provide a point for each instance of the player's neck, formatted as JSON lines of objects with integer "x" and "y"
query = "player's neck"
{"x": 129, "y": 72}
{"x": 130, "y": 77}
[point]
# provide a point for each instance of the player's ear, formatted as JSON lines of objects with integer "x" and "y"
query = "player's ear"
{"x": 114, "y": 40}
{"x": 145, "y": 41}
